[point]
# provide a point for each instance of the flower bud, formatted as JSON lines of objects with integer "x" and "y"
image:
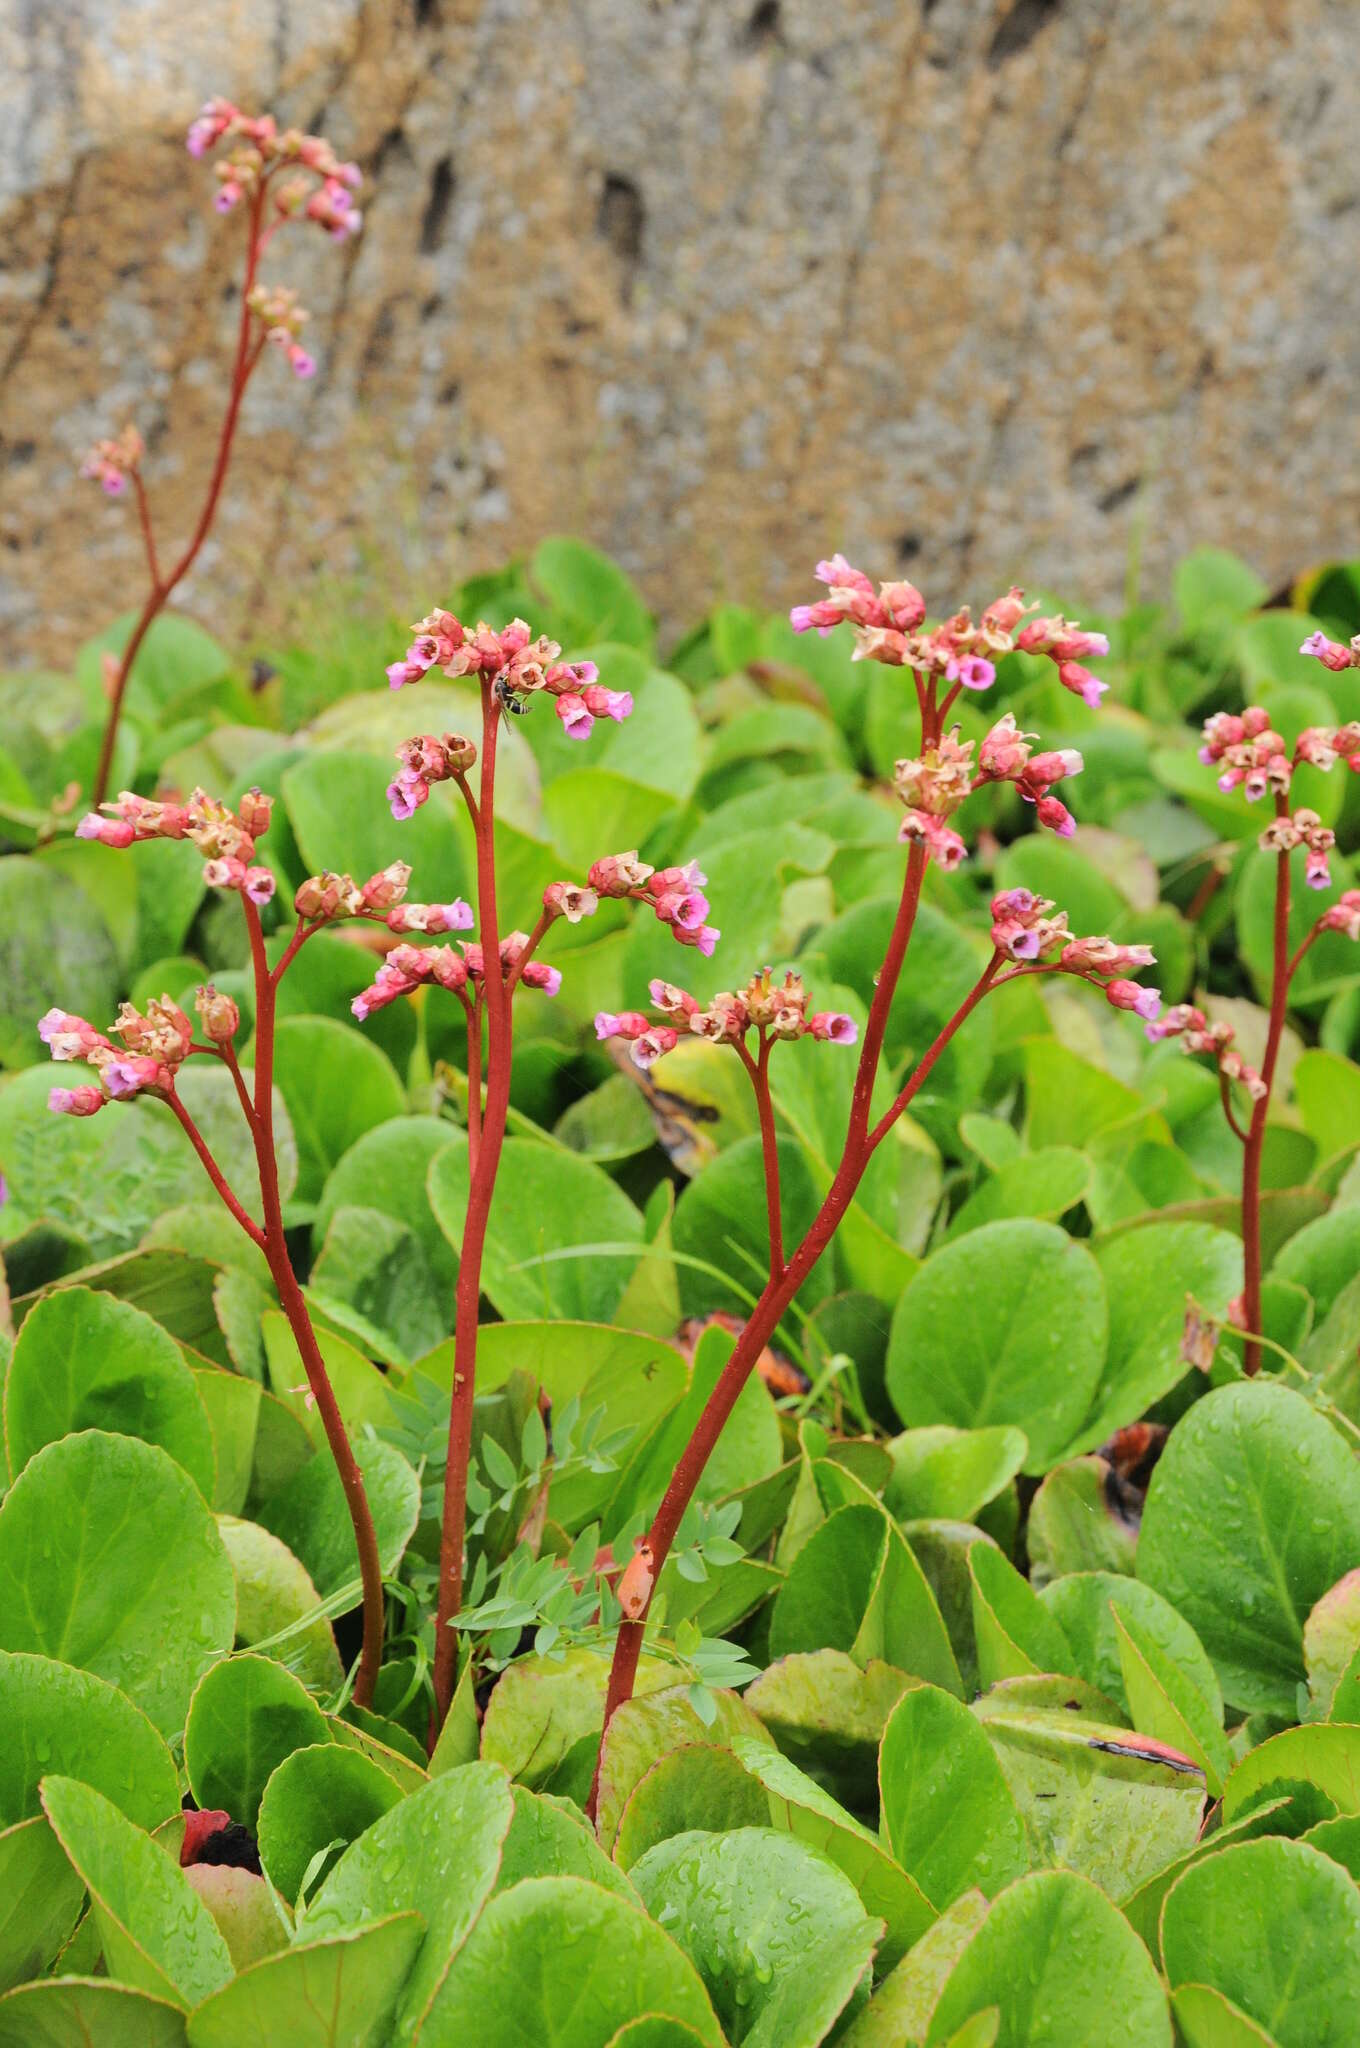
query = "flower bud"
{"x": 624, "y": 1024}
{"x": 218, "y": 1014}
{"x": 653, "y": 1043}
{"x": 618, "y": 873}
{"x": 1131, "y": 995}
{"x": 387, "y": 887}
{"x": 832, "y": 1027}
{"x": 254, "y": 810}
{"x": 82, "y": 1101}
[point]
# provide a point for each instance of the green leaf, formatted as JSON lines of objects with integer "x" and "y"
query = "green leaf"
{"x": 1076, "y": 1524}
{"x": 1152, "y": 1277}
{"x": 247, "y": 1715}
{"x": 543, "y": 1706}
{"x": 232, "y": 1406}
{"x": 360, "y": 1389}
{"x": 592, "y": 597}
{"x": 546, "y": 1201}
{"x": 340, "y": 814}
{"x": 1211, "y": 586}
{"x": 1252, "y": 1513}
{"x": 1164, "y": 1701}
{"x": 373, "y": 1268}
{"x": 1068, "y": 1100}
{"x": 1206, "y": 2019}
{"x": 1021, "y": 1959}
{"x": 950, "y": 1473}
{"x": 156, "y": 1932}
{"x": 437, "y": 1854}
{"x": 276, "y": 1603}
{"x": 109, "y": 1560}
{"x": 68, "y": 2012}
{"x": 1087, "y": 1607}
{"x": 800, "y": 1807}
{"x": 696, "y": 1787}
{"x": 946, "y": 1810}
{"x": 317, "y": 1796}
{"x": 87, "y": 1361}
{"x": 1095, "y": 1798}
{"x": 899, "y": 2011}
{"x": 1275, "y": 1927}
{"x": 1015, "y": 1631}
{"x": 828, "y": 1714}
{"x": 720, "y": 1218}
{"x": 1323, "y": 1257}
{"x": 779, "y": 1937}
{"x": 1142, "y": 1907}
{"x": 1026, "y": 1349}
{"x": 337, "y": 1086}
{"x": 1042, "y": 1184}
{"x": 1325, "y": 1754}
{"x": 55, "y": 950}
{"x": 583, "y": 1962}
{"x": 748, "y": 1449}
{"x": 1330, "y": 960}
{"x": 337, "y": 1993}
{"x": 1331, "y": 1639}
{"x": 387, "y": 1169}
{"x": 311, "y": 1516}
{"x": 41, "y": 1898}
{"x": 855, "y": 1586}
{"x": 54, "y": 1718}
{"x": 644, "y": 1730}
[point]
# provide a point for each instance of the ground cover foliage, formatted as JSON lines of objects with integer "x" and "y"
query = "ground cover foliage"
{"x": 1004, "y": 1674}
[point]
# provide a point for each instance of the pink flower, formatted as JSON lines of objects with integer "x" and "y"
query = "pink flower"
{"x": 258, "y": 884}
{"x": 83, "y": 1101}
{"x": 684, "y": 907}
{"x": 299, "y": 362}
{"x": 705, "y": 937}
{"x": 602, "y": 703}
{"x": 1082, "y": 683}
{"x": 385, "y": 889}
{"x": 1131, "y": 995}
{"x": 1054, "y": 767}
{"x": 431, "y": 917}
{"x": 670, "y": 1000}
{"x": 626, "y": 1024}
{"x": 1051, "y": 811}
{"x": 574, "y": 715}
{"x": 68, "y": 1037}
{"x": 941, "y": 842}
{"x": 617, "y": 874}
{"x": 1016, "y": 941}
{"x": 565, "y": 899}
{"x": 131, "y": 1073}
{"x": 1330, "y": 653}
{"x": 1004, "y": 751}
{"x": 406, "y": 794}
{"x": 652, "y": 1044}
{"x": 109, "y": 831}
{"x": 399, "y": 672}
{"x": 974, "y": 671}
{"x": 832, "y": 1027}
{"x": 537, "y": 975}
{"x": 1317, "y": 874}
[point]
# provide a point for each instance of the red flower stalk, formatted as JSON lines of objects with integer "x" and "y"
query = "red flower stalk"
{"x": 1028, "y": 937}
{"x": 156, "y": 1044}
{"x": 275, "y": 176}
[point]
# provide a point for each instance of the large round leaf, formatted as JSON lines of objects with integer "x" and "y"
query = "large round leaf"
{"x": 56, "y": 1719}
{"x": 71, "y": 2012}
{"x": 1274, "y": 1926}
{"x": 1064, "y": 1968}
{"x": 549, "y": 1209}
{"x": 1253, "y": 1512}
{"x": 337, "y": 1085}
{"x": 947, "y": 1811}
{"x": 437, "y": 1854}
{"x": 583, "y": 1962}
{"x": 338, "y": 1993}
{"x": 644, "y": 1730}
{"x": 1082, "y": 1604}
{"x": 41, "y": 1899}
{"x": 55, "y": 949}
{"x": 311, "y": 1516}
{"x": 778, "y": 1935}
{"x": 856, "y": 1586}
{"x": 276, "y": 1599}
{"x": 317, "y": 1796}
{"x": 246, "y": 1716}
{"x": 89, "y": 1361}
{"x": 1025, "y": 1348}
{"x": 110, "y": 1560}
{"x": 155, "y": 1931}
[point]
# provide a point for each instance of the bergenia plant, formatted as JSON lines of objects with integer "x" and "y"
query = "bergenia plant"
{"x": 155, "y": 1044}
{"x": 1030, "y": 936}
{"x": 274, "y": 176}
{"x": 1254, "y": 758}
{"x": 511, "y": 668}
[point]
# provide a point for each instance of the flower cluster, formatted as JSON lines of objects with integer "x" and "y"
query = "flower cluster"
{"x": 1198, "y": 1035}
{"x": 1303, "y": 828}
{"x": 110, "y": 463}
{"x": 318, "y": 186}
{"x": 407, "y": 967}
{"x": 774, "y": 1010}
{"x": 887, "y": 623}
{"x": 1253, "y": 757}
{"x": 515, "y": 664}
{"x": 227, "y": 837}
{"x": 424, "y": 761}
{"x": 675, "y": 894}
{"x": 934, "y": 785}
{"x": 1333, "y": 654}
{"x": 283, "y": 318}
{"x": 1027, "y": 927}
{"x": 155, "y": 1044}
{"x": 1344, "y": 915}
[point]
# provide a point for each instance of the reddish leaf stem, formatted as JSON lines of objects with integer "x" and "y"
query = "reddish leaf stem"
{"x": 1281, "y": 969}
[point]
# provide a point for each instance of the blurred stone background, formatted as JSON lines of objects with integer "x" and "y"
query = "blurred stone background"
{"x": 975, "y": 288}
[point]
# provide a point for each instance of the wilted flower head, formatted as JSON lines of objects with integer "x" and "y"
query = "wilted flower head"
{"x": 110, "y": 463}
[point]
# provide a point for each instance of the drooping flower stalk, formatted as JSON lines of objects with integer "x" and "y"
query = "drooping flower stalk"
{"x": 1027, "y": 938}
{"x": 304, "y": 179}
{"x": 156, "y": 1044}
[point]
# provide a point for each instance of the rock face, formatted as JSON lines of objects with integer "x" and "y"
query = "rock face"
{"x": 975, "y": 288}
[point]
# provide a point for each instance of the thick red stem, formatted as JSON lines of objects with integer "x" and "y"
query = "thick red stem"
{"x": 1256, "y": 1132}
{"x": 162, "y": 587}
{"x": 300, "y": 1322}
{"x": 759, "y": 1071}
{"x": 481, "y": 1187}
